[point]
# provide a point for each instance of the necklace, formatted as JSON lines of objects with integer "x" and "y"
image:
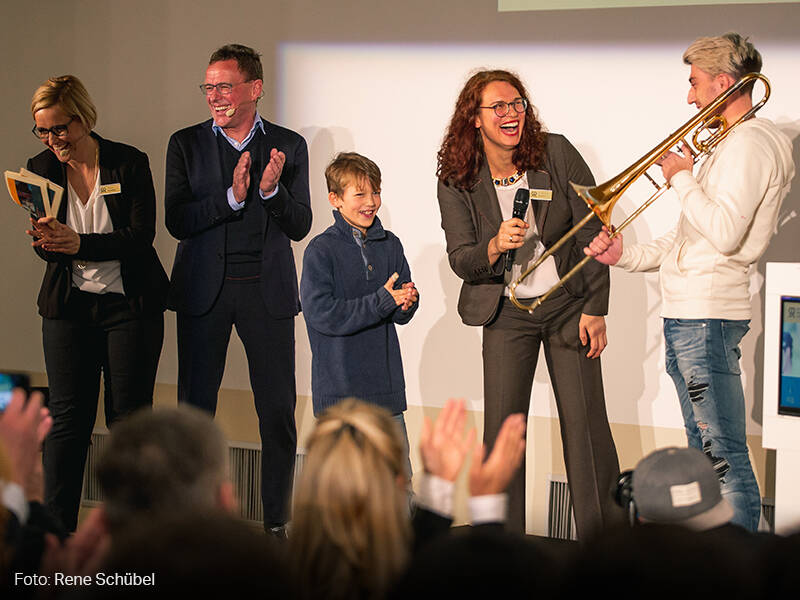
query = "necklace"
{"x": 506, "y": 181}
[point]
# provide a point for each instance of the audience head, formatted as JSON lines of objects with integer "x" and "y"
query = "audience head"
{"x": 164, "y": 461}
{"x": 350, "y": 531}
{"x": 658, "y": 561}
{"x": 679, "y": 486}
{"x": 196, "y": 553}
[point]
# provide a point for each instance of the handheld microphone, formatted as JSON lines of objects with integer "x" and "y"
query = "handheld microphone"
{"x": 521, "y": 199}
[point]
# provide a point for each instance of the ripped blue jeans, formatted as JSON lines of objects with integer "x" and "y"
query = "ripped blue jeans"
{"x": 702, "y": 358}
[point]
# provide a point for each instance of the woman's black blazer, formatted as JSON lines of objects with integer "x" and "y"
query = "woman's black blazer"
{"x": 133, "y": 215}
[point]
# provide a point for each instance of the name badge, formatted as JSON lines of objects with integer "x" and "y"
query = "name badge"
{"x": 546, "y": 195}
{"x": 111, "y": 188}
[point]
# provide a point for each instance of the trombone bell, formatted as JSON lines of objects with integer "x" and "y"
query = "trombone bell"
{"x": 598, "y": 201}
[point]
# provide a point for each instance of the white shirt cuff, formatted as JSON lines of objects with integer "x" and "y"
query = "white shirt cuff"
{"x": 492, "y": 508}
{"x": 436, "y": 495}
{"x": 232, "y": 202}
{"x": 270, "y": 195}
{"x": 12, "y": 496}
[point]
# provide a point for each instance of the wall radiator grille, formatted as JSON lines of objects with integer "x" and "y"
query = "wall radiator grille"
{"x": 560, "y": 519}
{"x": 245, "y": 469}
{"x": 767, "y": 514}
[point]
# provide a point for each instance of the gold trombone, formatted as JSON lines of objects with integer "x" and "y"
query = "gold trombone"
{"x": 602, "y": 198}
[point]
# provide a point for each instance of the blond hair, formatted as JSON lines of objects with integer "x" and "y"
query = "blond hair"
{"x": 351, "y": 167}
{"x": 730, "y": 53}
{"x": 350, "y": 530}
{"x": 69, "y": 93}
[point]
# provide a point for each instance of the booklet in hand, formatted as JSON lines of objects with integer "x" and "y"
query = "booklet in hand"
{"x": 39, "y": 196}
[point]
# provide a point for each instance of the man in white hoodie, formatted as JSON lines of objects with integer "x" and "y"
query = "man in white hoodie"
{"x": 728, "y": 214}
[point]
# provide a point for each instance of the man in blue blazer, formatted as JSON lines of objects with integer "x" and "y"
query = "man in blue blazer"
{"x": 236, "y": 194}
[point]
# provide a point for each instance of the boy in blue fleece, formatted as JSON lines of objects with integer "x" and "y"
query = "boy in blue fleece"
{"x": 355, "y": 286}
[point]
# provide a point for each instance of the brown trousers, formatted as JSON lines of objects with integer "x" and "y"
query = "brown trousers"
{"x": 511, "y": 345}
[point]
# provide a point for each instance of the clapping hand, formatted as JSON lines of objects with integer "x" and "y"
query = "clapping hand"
{"x": 403, "y": 297}
{"x": 443, "y": 443}
{"x": 272, "y": 172}
{"x": 493, "y": 475}
{"x": 23, "y": 426}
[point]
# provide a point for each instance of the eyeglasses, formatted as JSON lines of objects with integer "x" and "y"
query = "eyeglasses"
{"x": 223, "y": 88}
{"x": 501, "y": 108}
{"x": 57, "y": 130}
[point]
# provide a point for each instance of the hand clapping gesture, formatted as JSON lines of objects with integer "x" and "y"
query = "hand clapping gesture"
{"x": 444, "y": 447}
{"x": 443, "y": 444}
{"x": 403, "y": 297}
{"x": 269, "y": 178}
{"x": 492, "y": 476}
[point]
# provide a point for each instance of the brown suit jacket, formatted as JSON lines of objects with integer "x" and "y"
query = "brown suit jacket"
{"x": 471, "y": 218}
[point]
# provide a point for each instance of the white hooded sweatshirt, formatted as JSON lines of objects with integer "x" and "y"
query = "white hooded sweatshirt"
{"x": 728, "y": 215}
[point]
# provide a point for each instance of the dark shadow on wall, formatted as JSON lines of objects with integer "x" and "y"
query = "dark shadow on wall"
{"x": 451, "y": 365}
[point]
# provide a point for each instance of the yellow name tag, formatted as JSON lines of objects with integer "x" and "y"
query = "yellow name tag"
{"x": 111, "y": 188}
{"x": 546, "y": 195}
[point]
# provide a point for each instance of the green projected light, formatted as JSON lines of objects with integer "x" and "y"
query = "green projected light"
{"x": 512, "y": 5}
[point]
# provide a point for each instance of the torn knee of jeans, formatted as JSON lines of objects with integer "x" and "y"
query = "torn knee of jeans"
{"x": 720, "y": 464}
{"x": 696, "y": 390}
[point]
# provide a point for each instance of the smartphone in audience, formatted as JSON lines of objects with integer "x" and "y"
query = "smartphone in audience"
{"x": 9, "y": 381}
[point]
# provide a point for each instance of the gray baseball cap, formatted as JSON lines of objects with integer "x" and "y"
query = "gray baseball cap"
{"x": 679, "y": 486}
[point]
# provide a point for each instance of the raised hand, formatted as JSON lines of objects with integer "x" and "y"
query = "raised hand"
{"x": 81, "y": 554}
{"x": 241, "y": 177}
{"x": 272, "y": 172}
{"x": 443, "y": 443}
{"x": 23, "y": 427}
{"x": 493, "y": 475}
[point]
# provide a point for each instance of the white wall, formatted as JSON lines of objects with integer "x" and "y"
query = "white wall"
{"x": 381, "y": 79}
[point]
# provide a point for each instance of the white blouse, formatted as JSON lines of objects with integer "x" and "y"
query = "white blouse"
{"x": 546, "y": 274}
{"x": 99, "y": 277}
